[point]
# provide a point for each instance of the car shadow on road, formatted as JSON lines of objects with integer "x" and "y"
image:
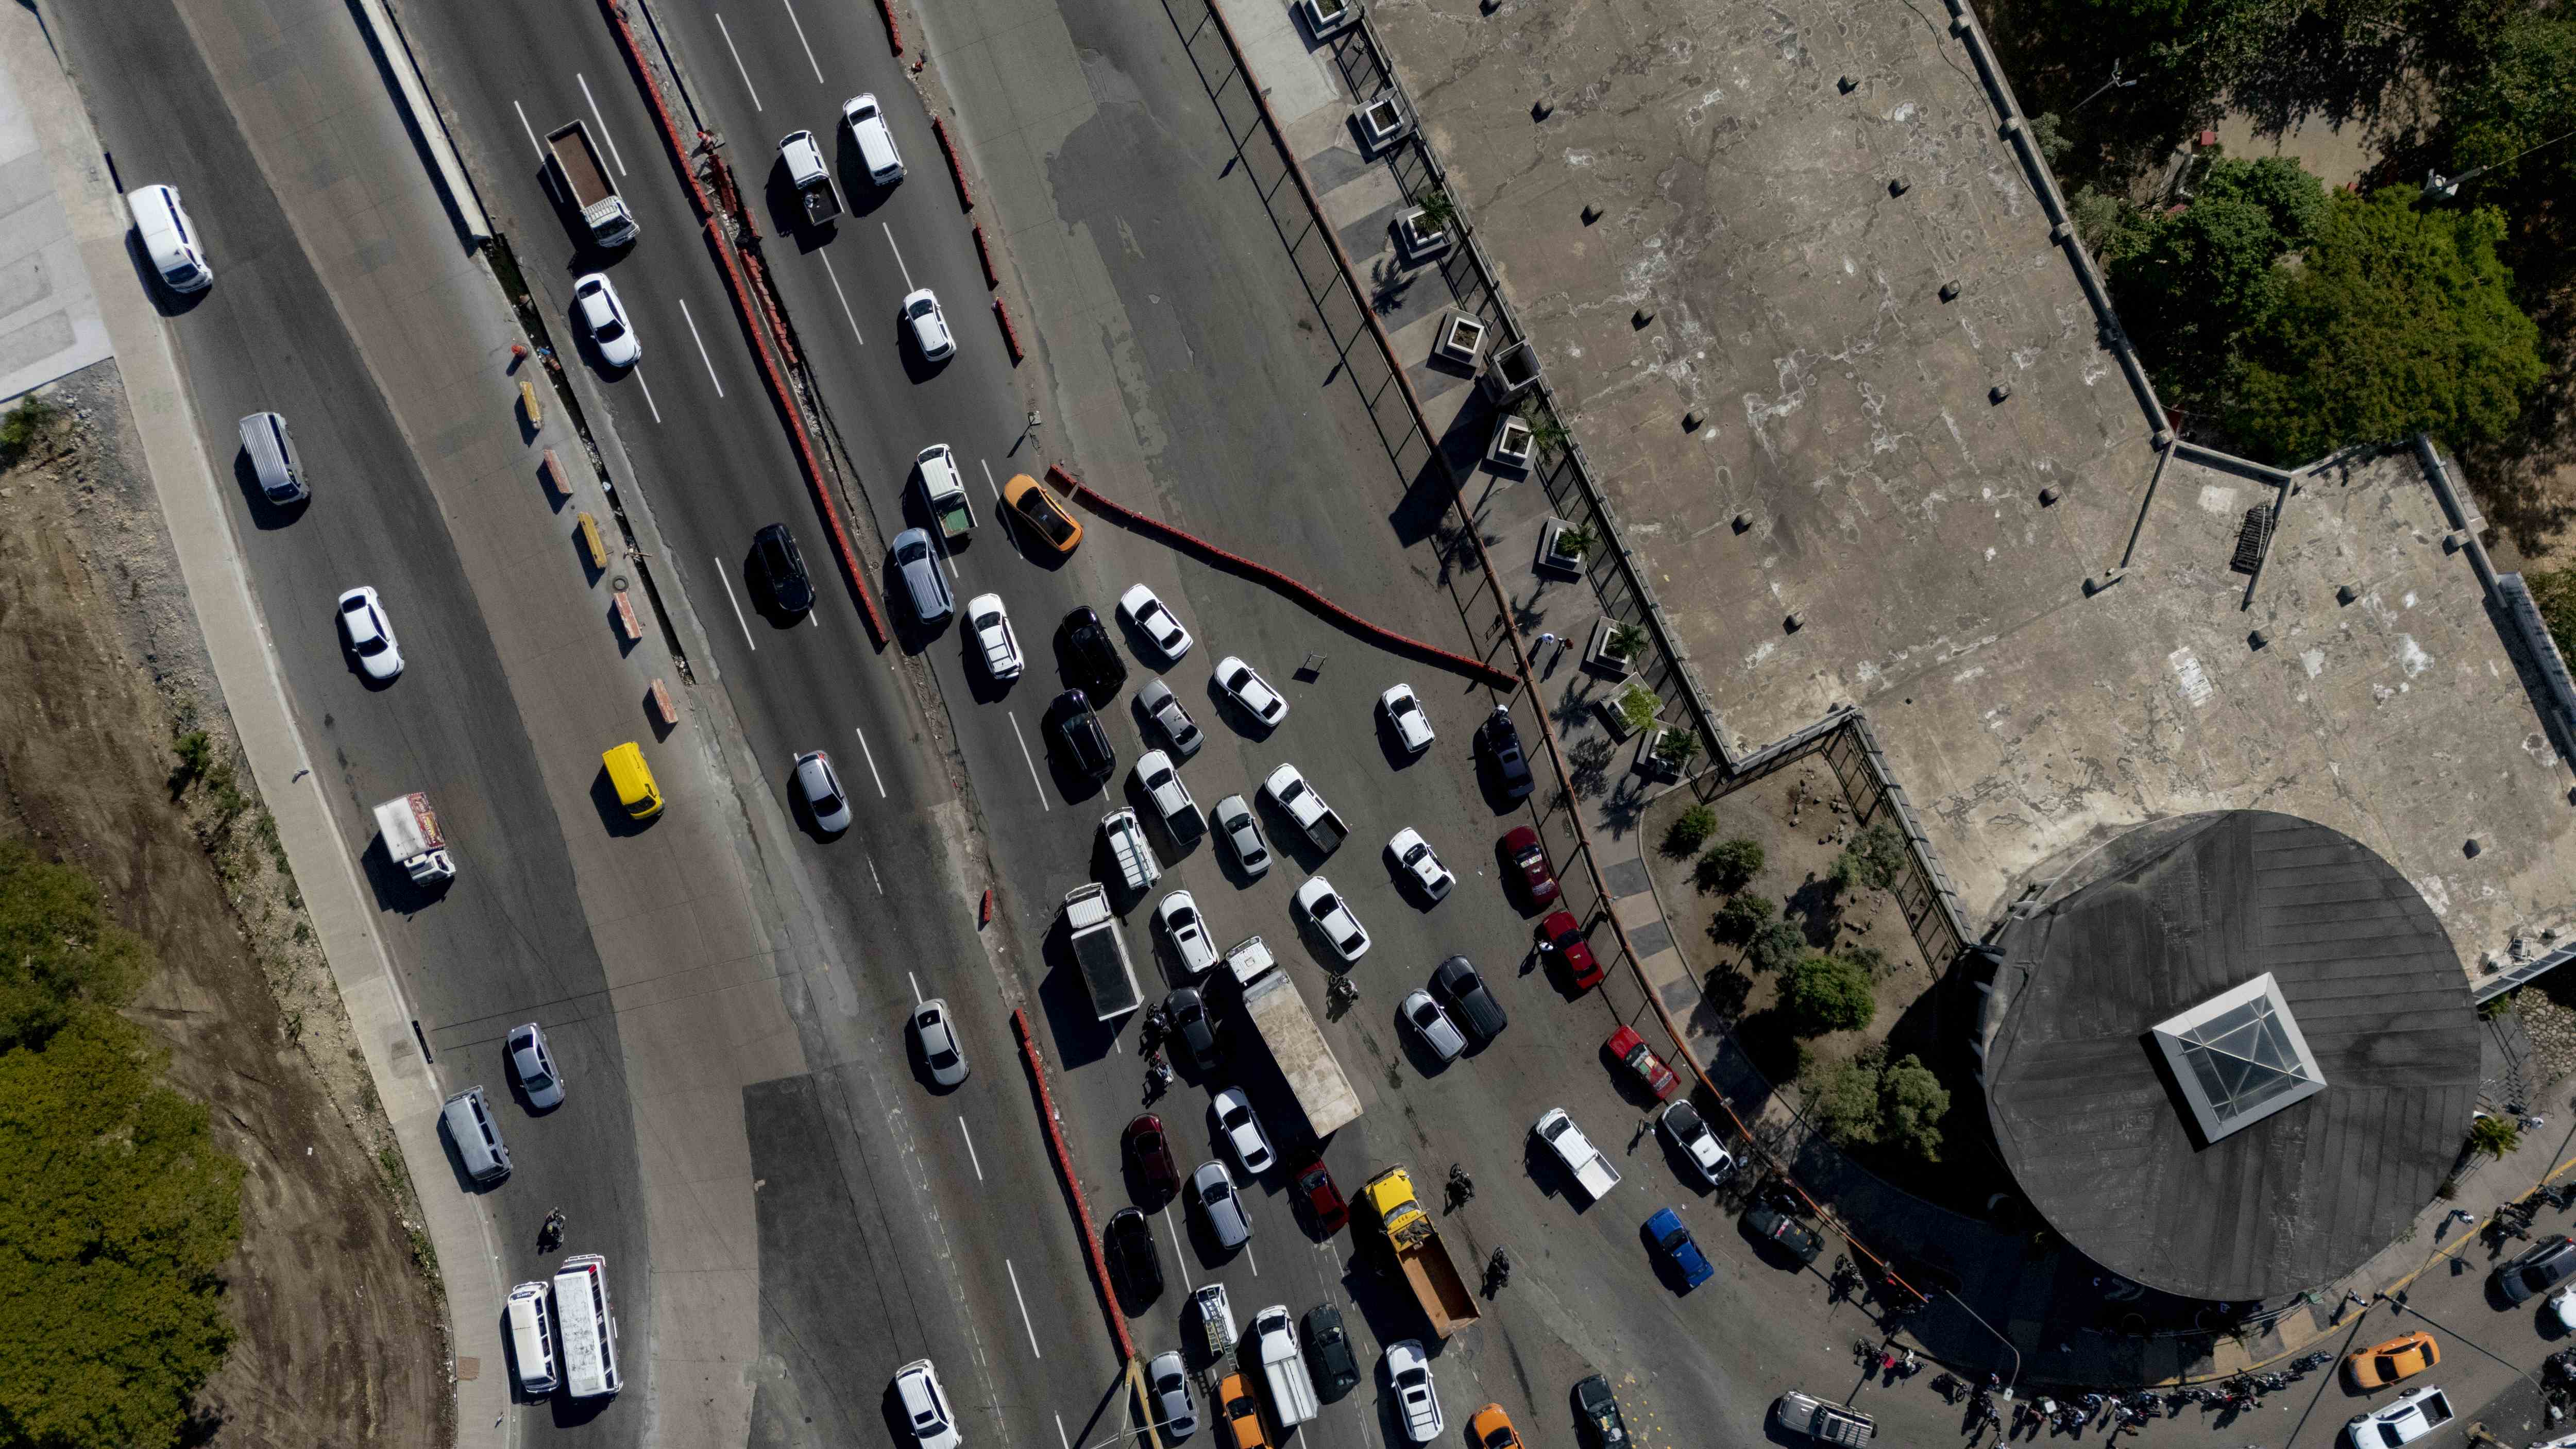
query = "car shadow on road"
{"x": 787, "y": 212}
{"x": 394, "y": 889}
{"x": 265, "y": 515}
{"x": 164, "y": 301}
{"x": 613, "y": 815}
{"x": 1080, "y": 1036}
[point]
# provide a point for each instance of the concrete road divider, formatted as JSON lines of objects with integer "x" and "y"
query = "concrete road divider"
{"x": 1072, "y": 1186}
{"x": 1384, "y": 637}
{"x": 956, "y": 167}
{"x": 894, "y": 32}
{"x": 1010, "y": 334}
{"x": 984, "y": 254}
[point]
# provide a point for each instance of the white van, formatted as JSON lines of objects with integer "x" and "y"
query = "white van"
{"x": 168, "y": 239}
{"x": 587, "y": 1327}
{"x": 532, "y": 1339}
{"x": 477, "y": 1136}
{"x": 273, "y": 460}
{"x": 867, "y": 124}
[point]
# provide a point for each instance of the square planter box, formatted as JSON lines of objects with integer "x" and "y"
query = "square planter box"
{"x": 1548, "y": 557}
{"x": 1613, "y": 720}
{"x": 1512, "y": 443}
{"x": 1511, "y": 372}
{"x": 1462, "y": 339}
{"x": 1384, "y": 121}
{"x": 1650, "y": 759}
{"x": 1323, "y": 17}
{"x": 1597, "y": 656}
{"x": 1415, "y": 241}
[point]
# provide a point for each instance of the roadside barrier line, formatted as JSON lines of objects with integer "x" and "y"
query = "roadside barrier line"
{"x": 894, "y": 31}
{"x": 1476, "y": 669}
{"x": 1010, "y": 334}
{"x": 1072, "y": 1185}
{"x": 779, "y": 393}
{"x": 956, "y": 164}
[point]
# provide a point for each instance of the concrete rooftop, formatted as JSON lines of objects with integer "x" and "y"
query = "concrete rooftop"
{"x": 1895, "y": 504}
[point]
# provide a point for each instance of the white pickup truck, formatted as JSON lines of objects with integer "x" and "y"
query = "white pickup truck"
{"x": 1585, "y": 1161}
{"x": 1318, "y": 820}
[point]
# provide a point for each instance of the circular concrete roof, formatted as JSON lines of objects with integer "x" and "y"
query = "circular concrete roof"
{"x": 2161, "y": 1107}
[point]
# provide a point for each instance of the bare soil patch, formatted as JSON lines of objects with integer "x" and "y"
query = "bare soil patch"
{"x": 101, "y": 668}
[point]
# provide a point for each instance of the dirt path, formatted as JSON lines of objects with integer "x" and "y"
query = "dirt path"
{"x": 100, "y": 668}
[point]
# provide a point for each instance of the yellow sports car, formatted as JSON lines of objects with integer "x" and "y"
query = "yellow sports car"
{"x": 1045, "y": 517}
{"x": 2398, "y": 1358}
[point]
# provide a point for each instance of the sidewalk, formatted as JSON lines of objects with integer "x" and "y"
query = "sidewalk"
{"x": 50, "y": 324}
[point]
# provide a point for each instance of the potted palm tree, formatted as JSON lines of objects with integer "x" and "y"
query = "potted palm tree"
{"x": 1615, "y": 648}
{"x": 1562, "y": 546}
{"x": 1669, "y": 752}
{"x": 1425, "y": 231}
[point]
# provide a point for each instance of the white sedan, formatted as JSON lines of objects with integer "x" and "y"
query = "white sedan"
{"x": 1181, "y": 920}
{"x": 990, "y": 623}
{"x": 2414, "y": 1414}
{"x": 1414, "y": 853}
{"x": 820, "y": 784}
{"x": 929, "y": 325}
{"x": 370, "y": 637}
{"x": 1148, "y": 613}
{"x": 1409, "y": 1372}
{"x": 937, "y": 1038}
{"x": 1404, "y": 712}
{"x": 1433, "y": 1025}
{"x": 1683, "y": 1127}
{"x": 1232, "y": 1114}
{"x": 1248, "y": 689}
{"x": 604, "y": 317}
{"x": 1332, "y": 916}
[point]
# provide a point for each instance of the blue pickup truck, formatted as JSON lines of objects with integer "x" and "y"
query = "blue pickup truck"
{"x": 1674, "y": 1242}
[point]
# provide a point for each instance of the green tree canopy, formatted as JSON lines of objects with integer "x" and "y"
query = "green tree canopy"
{"x": 1870, "y": 1101}
{"x": 1826, "y": 993}
{"x": 1741, "y": 916}
{"x": 116, "y": 1211}
{"x": 2523, "y": 95}
{"x": 1773, "y": 947}
{"x": 59, "y": 952}
{"x": 2398, "y": 318}
{"x": 1730, "y": 865}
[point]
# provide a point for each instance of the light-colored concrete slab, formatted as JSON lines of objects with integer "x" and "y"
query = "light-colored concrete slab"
{"x": 49, "y": 316}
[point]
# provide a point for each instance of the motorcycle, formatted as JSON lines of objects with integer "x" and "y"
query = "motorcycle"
{"x": 1947, "y": 1386}
{"x": 550, "y": 1236}
{"x": 1158, "y": 1076}
{"x": 1498, "y": 1272}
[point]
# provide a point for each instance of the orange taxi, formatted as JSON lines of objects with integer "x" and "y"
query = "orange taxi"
{"x": 1044, "y": 516}
{"x": 2398, "y": 1358}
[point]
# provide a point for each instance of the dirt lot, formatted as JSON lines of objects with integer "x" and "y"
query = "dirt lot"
{"x": 100, "y": 669}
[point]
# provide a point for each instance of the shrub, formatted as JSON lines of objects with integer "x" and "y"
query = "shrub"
{"x": 1637, "y": 708}
{"x": 1914, "y": 1102}
{"x": 2493, "y": 1136}
{"x": 20, "y": 429}
{"x": 1846, "y": 1104}
{"x": 59, "y": 952}
{"x": 1826, "y": 993}
{"x": 1730, "y": 865}
{"x": 1875, "y": 859}
{"x": 1740, "y": 917}
{"x": 1774, "y": 947}
{"x": 1689, "y": 829}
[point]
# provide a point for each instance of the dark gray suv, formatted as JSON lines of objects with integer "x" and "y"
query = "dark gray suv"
{"x": 2538, "y": 1270}
{"x": 1470, "y": 1004}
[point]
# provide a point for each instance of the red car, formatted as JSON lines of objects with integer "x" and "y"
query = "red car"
{"x": 1631, "y": 1048}
{"x": 1529, "y": 857}
{"x": 1151, "y": 1151}
{"x": 1559, "y": 934}
{"x": 1323, "y": 1199}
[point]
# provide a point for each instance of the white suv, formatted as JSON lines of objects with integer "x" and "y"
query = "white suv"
{"x": 925, "y": 1403}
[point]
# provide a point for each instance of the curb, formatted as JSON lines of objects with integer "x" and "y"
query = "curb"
{"x": 1476, "y": 669}
{"x": 984, "y": 254}
{"x": 894, "y": 32}
{"x": 425, "y": 118}
{"x": 1072, "y": 1184}
{"x": 1010, "y": 334}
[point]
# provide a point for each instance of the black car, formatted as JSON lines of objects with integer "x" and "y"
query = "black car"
{"x": 1328, "y": 1350}
{"x": 1470, "y": 1004}
{"x": 1596, "y": 1409}
{"x": 2538, "y": 1270}
{"x": 1091, "y": 662}
{"x": 1130, "y": 1241}
{"x": 782, "y": 569}
{"x": 1191, "y": 1027}
{"x": 1078, "y": 733}
{"x": 1768, "y": 1224}
{"x": 1500, "y": 739}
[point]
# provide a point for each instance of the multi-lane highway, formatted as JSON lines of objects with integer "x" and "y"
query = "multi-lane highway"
{"x": 892, "y": 1220}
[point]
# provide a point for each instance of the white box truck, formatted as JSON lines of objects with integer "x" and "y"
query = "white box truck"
{"x": 586, "y": 181}
{"x": 1279, "y": 1014}
{"x": 1100, "y": 950}
{"x": 410, "y": 829}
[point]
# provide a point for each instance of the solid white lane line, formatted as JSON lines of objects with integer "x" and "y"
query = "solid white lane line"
{"x": 979, "y": 1177}
{"x": 872, "y": 875}
{"x": 638, "y": 371}
{"x": 801, "y": 40}
{"x": 1180, "y": 1251}
{"x": 1024, "y": 1304}
{"x": 533, "y": 142}
{"x": 989, "y": 483}
{"x": 916, "y": 986}
{"x": 737, "y": 62}
{"x": 814, "y": 617}
{"x": 613, "y": 153}
{"x": 1024, "y": 754}
{"x": 702, "y": 347}
{"x": 873, "y": 775}
{"x": 1251, "y": 1257}
{"x": 844, "y": 296}
{"x": 1061, "y": 1437}
{"x": 898, "y": 255}
{"x": 737, "y": 607}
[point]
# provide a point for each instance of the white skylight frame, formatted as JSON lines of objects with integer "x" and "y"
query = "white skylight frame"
{"x": 2263, "y": 1053}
